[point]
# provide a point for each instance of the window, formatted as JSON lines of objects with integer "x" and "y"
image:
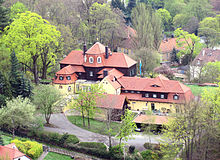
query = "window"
{"x": 77, "y": 87}
{"x": 175, "y": 97}
{"x": 60, "y": 87}
{"x": 162, "y": 96}
{"x": 138, "y": 92}
{"x": 126, "y": 91}
{"x": 91, "y": 60}
{"x": 61, "y": 78}
{"x": 68, "y": 78}
{"x": 84, "y": 88}
{"x": 133, "y": 102}
{"x": 99, "y": 60}
{"x": 154, "y": 95}
{"x": 90, "y": 73}
{"x": 69, "y": 88}
{"x": 146, "y": 94}
{"x": 85, "y": 58}
{"x": 132, "y": 91}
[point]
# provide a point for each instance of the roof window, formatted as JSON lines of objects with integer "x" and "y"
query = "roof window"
{"x": 99, "y": 60}
{"x": 68, "y": 78}
{"x": 91, "y": 60}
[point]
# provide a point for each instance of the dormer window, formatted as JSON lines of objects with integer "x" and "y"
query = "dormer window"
{"x": 162, "y": 96}
{"x": 91, "y": 60}
{"x": 175, "y": 97}
{"x": 132, "y": 91}
{"x": 90, "y": 73}
{"x": 154, "y": 95}
{"x": 61, "y": 78}
{"x": 154, "y": 85}
{"x": 146, "y": 94}
{"x": 99, "y": 60}
{"x": 68, "y": 78}
{"x": 126, "y": 91}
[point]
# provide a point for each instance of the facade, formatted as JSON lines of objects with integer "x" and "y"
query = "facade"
{"x": 11, "y": 152}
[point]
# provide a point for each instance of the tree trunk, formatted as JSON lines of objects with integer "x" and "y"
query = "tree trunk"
{"x": 83, "y": 117}
{"x": 88, "y": 121}
{"x": 44, "y": 72}
{"x": 35, "y": 71}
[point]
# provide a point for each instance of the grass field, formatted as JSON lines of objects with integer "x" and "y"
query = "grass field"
{"x": 198, "y": 90}
{"x": 55, "y": 156}
{"x": 96, "y": 126}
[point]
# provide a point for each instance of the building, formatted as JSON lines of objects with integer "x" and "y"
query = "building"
{"x": 205, "y": 56}
{"x": 11, "y": 152}
{"x": 90, "y": 65}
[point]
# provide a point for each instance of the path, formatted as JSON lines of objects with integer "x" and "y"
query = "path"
{"x": 64, "y": 126}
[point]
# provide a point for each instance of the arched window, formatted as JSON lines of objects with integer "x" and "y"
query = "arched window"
{"x": 68, "y": 78}
{"x": 61, "y": 78}
{"x": 176, "y": 97}
{"x": 91, "y": 60}
{"x": 99, "y": 60}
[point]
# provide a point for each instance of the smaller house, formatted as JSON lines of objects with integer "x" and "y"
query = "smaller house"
{"x": 116, "y": 104}
{"x": 11, "y": 152}
{"x": 205, "y": 56}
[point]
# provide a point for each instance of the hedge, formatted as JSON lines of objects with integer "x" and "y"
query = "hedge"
{"x": 97, "y": 145}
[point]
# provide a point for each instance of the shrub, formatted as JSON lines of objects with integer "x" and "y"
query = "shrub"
{"x": 31, "y": 148}
{"x": 148, "y": 154}
{"x": 100, "y": 146}
{"x": 148, "y": 145}
{"x": 116, "y": 150}
{"x": 72, "y": 139}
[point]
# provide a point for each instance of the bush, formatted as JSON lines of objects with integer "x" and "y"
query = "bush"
{"x": 72, "y": 139}
{"x": 148, "y": 154}
{"x": 31, "y": 148}
{"x": 148, "y": 145}
{"x": 100, "y": 146}
{"x": 116, "y": 150}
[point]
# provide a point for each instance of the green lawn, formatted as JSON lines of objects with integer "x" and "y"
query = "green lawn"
{"x": 197, "y": 90}
{"x": 96, "y": 126}
{"x": 55, "y": 156}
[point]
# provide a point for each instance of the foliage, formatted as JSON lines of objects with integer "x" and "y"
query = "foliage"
{"x": 2, "y": 100}
{"x": 35, "y": 40}
{"x": 166, "y": 18}
{"x": 5, "y": 87}
{"x": 165, "y": 70}
{"x": 18, "y": 113}
{"x": 127, "y": 126}
{"x": 190, "y": 42}
{"x": 129, "y": 8}
{"x": 96, "y": 126}
{"x": 4, "y": 16}
{"x": 174, "y": 6}
{"x": 45, "y": 97}
{"x": 210, "y": 72}
{"x": 174, "y": 57}
{"x": 148, "y": 26}
{"x": 97, "y": 145}
{"x": 148, "y": 154}
{"x": 150, "y": 59}
{"x": 31, "y": 148}
{"x": 210, "y": 28}
{"x": 198, "y": 90}
{"x": 118, "y": 4}
{"x": 16, "y": 9}
{"x": 86, "y": 102}
{"x": 4, "y": 57}
{"x": 117, "y": 149}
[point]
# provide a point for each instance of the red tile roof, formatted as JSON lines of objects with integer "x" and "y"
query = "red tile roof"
{"x": 167, "y": 45}
{"x": 152, "y": 119}
{"x": 71, "y": 69}
{"x": 111, "y": 101}
{"x": 111, "y": 71}
{"x": 207, "y": 55}
{"x": 113, "y": 82}
{"x": 97, "y": 48}
{"x": 74, "y": 57}
{"x": 10, "y": 151}
{"x": 65, "y": 81}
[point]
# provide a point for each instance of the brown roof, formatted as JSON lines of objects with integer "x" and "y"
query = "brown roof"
{"x": 207, "y": 55}
{"x": 113, "y": 82}
{"x": 10, "y": 151}
{"x": 111, "y": 101}
{"x": 65, "y": 80}
{"x": 71, "y": 69}
{"x": 167, "y": 45}
{"x": 151, "y": 119}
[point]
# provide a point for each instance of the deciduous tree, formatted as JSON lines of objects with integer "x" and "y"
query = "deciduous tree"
{"x": 166, "y": 18}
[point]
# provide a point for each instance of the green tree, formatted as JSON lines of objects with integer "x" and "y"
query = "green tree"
{"x": 148, "y": 26}
{"x": 5, "y": 89}
{"x": 118, "y": 4}
{"x": 19, "y": 84}
{"x": 174, "y": 6}
{"x": 16, "y": 9}
{"x": 18, "y": 113}
{"x": 190, "y": 42}
{"x": 35, "y": 40}
{"x": 4, "y": 57}
{"x": 4, "y": 16}
{"x": 210, "y": 72}
{"x": 127, "y": 126}
{"x": 130, "y": 6}
{"x": 174, "y": 57}
{"x": 166, "y": 18}
{"x": 86, "y": 102}
{"x": 45, "y": 98}
{"x": 210, "y": 28}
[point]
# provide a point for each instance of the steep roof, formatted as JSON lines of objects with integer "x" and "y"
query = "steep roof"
{"x": 111, "y": 101}
{"x": 10, "y": 151}
{"x": 97, "y": 48}
{"x": 71, "y": 69}
{"x": 167, "y": 45}
{"x": 74, "y": 57}
{"x": 207, "y": 55}
{"x": 113, "y": 82}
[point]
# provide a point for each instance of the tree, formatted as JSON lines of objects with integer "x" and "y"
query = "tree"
{"x": 210, "y": 73}
{"x": 130, "y": 6}
{"x": 5, "y": 89}
{"x": 210, "y": 28}
{"x": 86, "y": 102}
{"x": 127, "y": 126}
{"x": 4, "y": 16}
{"x": 174, "y": 57}
{"x": 174, "y": 6}
{"x": 165, "y": 70}
{"x": 118, "y": 4}
{"x": 148, "y": 26}
{"x": 18, "y": 113}
{"x": 39, "y": 45}
{"x": 19, "y": 84}
{"x": 150, "y": 59}
{"x": 45, "y": 98}
{"x": 16, "y": 9}
{"x": 190, "y": 42}
{"x": 166, "y": 18}
{"x": 4, "y": 57}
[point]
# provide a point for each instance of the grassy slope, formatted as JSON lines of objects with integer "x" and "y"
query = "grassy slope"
{"x": 197, "y": 90}
{"x": 55, "y": 156}
{"x": 96, "y": 126}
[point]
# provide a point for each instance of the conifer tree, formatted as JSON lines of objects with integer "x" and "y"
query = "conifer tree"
{"x": 4, "y": 16}
{"x": 131, "y": 5}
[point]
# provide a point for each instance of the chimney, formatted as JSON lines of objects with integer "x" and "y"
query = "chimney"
{"x": 105, "y": 73}
{"x": 106, "y": 52}
{"x": 84, "y": 49}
